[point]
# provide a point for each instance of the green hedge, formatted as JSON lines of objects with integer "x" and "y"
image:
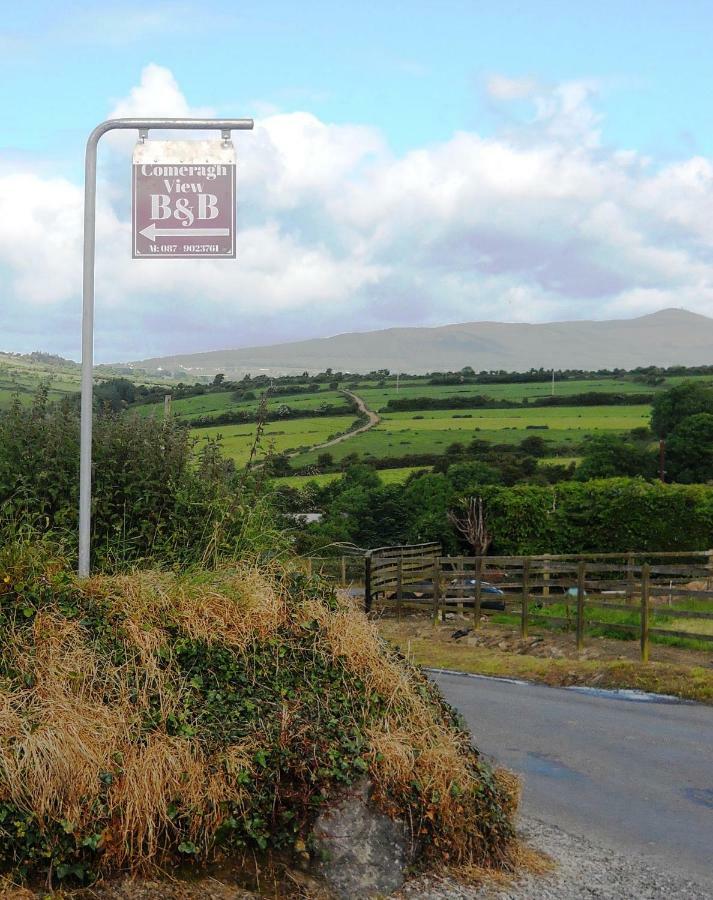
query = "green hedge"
{"x": 608, "y": 515}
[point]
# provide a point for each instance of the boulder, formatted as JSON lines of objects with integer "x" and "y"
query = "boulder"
{"x": 361, "y": 852}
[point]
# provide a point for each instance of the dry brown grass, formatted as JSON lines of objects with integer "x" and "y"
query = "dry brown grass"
{"x": 413, "y": 744}
{"x": 229, "y": 605}
{"x": 59, "y": 734}
{"x": 82, "y": 716}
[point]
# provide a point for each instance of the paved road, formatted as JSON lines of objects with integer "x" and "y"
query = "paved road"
{"x": 633, "y": 775}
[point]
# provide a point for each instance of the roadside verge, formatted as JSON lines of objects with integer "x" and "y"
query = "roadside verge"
{"x": 433, "y": 647}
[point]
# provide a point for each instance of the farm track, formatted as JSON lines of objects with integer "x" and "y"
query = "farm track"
{"x": 374, "y": 420}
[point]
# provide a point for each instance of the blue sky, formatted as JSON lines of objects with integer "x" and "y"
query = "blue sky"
{"x": 617, "y": 95}
{"x": 414, "y": 70}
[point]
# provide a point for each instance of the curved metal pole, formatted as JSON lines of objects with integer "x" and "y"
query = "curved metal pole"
{"x": 90, "y": 196}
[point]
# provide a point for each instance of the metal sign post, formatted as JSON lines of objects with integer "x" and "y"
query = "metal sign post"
{"x": 90, "y": 192}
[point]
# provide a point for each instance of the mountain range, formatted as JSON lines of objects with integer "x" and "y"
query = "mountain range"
{"x": 666, "y": 338}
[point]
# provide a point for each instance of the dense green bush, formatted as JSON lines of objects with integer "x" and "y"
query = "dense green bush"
{"x": 671, "y": 407}
{"x": 153, "y": 496}
{"x": 614, "y": 514}
{"x": 689, "y": 456}
{"x": 612, "y": 455}
{"x": 608, "y": 515}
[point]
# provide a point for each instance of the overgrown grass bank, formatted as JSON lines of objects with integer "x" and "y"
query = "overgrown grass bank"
{"x": 154, "y": 717}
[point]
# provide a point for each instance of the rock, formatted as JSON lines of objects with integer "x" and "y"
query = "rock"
{"x": 362, "y": 852}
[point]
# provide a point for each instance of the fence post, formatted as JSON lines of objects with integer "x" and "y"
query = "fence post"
{"x": 645, "y": 587}
{"x": 436, "y": 588}
{"x": 460, "y": 582}
{"x": 399, "y": 587}
{"x": 525, "y": 597}
{"x": 546, "y": 575}
{"x": 478, "y": 591}
{"x": 344, "y": 571}
{"x": 581, "y": 569}
{"x": 367, "y": 581}
{"x": 309, "y": 566}
{"x": 630, "y": 578}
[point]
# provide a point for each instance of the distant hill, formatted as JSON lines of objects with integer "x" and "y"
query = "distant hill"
{"x": 666, "y": 338}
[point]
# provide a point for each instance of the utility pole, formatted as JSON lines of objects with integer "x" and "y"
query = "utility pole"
{"x": 553, "y": 382}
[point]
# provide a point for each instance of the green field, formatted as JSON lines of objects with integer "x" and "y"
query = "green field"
{"x": 598, "y": 613}
{"x": 560, "y": 460}
{"x": 215, "y": 404}
{"x": 281, "y": 437}
{"x": 398, "y": 434}
{"x": 378, "y": 397}
{"x": 432, "y": 431}
{"x": 387, "y": 476}
{"x": 21, "y": 377}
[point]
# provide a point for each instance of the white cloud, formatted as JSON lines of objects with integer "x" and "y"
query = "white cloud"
{"x": 157, "y": 95}
{"x": 500, "y": 87}
{"x": 335, "y": 233}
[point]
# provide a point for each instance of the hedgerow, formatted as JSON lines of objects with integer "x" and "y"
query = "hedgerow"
{"x": 606, "y": 515}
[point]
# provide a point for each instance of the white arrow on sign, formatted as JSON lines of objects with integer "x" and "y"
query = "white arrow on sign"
{"x": 152, "y": 232}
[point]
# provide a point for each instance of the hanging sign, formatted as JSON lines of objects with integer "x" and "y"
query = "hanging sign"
{"x": 183, "y": 199}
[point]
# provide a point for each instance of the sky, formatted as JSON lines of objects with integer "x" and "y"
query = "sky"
{"x": 412, "y": 164}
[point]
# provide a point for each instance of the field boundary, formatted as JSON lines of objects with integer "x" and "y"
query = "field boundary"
{"x": 644, "y": 590}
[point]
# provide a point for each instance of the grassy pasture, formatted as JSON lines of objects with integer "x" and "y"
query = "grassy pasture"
{"x": 387, "y": 476}
{"x": 378, "y": 397}
{"x": 22, "y": 378}
{"x": 432, "y": 431}
{"x": 215, "y": 404}
{"x": 285, "y": 436}
{"x": 660, "y": 617}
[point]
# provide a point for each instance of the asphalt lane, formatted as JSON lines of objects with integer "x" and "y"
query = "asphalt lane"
{"x": 630, "y": 773}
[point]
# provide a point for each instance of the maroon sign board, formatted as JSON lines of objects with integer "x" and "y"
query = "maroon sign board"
{"x": 183, "y": 200}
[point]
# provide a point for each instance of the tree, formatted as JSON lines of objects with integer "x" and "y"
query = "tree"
{"x": 325, "y": 460}
{"x": 608, "y": 455}
{"x": 534, "y": 446}
{"x": 690, "y": 450}
{"x": 219, "y": 379}
{"x": 470, "y": 521}
{"x": 278, "y": 465}
{"x": 115, "y": 393}
{"x": 360, "y": 475}
{"x": 466, "y": 476}
{"x": 671, "y": 407}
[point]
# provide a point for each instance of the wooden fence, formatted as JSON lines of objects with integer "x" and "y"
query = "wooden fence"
{"x": 651, "y": 585}
{"x": 345, "y": 569}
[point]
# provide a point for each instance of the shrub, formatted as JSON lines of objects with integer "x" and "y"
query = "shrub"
{"x": 152, "y": 495}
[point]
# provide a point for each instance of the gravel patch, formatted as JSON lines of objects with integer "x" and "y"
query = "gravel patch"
{"x": 585, "y": 871}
